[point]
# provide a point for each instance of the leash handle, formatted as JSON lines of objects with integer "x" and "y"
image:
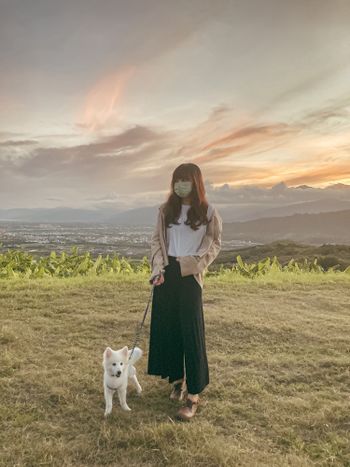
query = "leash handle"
{"x": 157, "y": 276}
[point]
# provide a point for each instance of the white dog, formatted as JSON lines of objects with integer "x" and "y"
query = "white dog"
{"x": 118, "y": 369}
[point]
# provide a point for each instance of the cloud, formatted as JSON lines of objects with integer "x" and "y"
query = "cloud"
{"x": 10, "y": 134}
{"x": 331, "y": 117}
{"x": 262, "y": 137}
{"x": 141, "y": 159}
{"x": 304, "y": 85}
{"x": 293, "y": 150}
{"x": 277, "y": 195}
{"x": 105, "y": 159}
{"x": 328, "y": 173}
{"x": 18, "y": 143}
{"x": 102, "y": 99}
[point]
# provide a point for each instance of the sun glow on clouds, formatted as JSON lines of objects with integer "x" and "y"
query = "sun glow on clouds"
{"x": 301, "y": 151}
{"x": 101, "y": 101}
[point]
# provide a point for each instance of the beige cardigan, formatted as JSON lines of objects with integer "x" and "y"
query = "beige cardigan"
{"x": 192, "y": 264}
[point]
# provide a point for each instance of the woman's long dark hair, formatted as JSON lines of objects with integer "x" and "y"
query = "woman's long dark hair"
{"x": 197, "y": 213}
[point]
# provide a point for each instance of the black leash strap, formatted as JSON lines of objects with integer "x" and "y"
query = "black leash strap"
{"x": 139, "y": 327}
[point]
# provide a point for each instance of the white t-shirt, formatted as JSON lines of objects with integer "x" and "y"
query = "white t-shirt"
{"x": 181, "y": 239}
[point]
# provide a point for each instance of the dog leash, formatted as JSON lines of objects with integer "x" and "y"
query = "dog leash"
{"x": 139, "y": 327}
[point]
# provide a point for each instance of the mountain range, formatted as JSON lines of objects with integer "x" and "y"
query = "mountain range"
{"x": 258, "y": 215}
{"x": 325, "y": 227}
{"x": 314, "y": 228}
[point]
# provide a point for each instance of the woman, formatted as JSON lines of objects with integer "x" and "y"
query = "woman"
{"x": 187, "y": 238}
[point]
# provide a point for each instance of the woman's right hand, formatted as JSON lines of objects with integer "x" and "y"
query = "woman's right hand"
{"x": 158, "y": 280}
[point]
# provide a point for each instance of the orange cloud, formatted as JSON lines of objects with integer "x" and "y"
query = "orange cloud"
{"x": 314, "y": 149}
{"x": 328, "y": 173}
{"x": 102, "y": 99}
{"x": 314, "y": 170}
{"x": 268, "y": 131}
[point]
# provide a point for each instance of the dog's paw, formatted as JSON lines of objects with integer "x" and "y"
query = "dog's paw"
{"x": 107, "y": 413}
{"x": 126, "y": 408}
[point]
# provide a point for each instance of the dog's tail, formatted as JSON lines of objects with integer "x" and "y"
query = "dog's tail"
{"x": 135, "y": 356}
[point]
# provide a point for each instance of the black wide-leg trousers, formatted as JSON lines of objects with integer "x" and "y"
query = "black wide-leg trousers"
{"x": 177, "y": 333}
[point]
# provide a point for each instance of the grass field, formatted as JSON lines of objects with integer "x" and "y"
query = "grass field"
{"x": 279, "y": 360}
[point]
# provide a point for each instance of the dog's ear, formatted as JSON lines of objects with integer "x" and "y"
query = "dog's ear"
{"x": 108, "y": 352}
{"x": 125, "y": 351}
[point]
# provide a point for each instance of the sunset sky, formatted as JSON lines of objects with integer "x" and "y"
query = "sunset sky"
{"x": 101, "y": 100}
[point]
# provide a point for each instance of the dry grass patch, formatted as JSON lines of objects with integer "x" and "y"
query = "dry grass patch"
{"x": 279, "y": 358}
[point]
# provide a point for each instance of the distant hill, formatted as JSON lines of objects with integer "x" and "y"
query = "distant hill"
{"x": 138, "y": 216}
{"x": 60, "y": 215}
{"x": 309, "y": 207}
{"x": 327, "y": 227}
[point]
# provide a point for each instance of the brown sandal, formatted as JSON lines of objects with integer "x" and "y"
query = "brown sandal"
{"x": 188, "y": 410}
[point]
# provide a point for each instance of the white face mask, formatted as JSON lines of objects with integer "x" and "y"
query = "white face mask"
{"x": 183, "y": 188}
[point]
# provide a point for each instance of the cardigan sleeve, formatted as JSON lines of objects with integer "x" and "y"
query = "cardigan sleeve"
{"x": 208, "y": 250}
{"x": 156, "y": 255}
